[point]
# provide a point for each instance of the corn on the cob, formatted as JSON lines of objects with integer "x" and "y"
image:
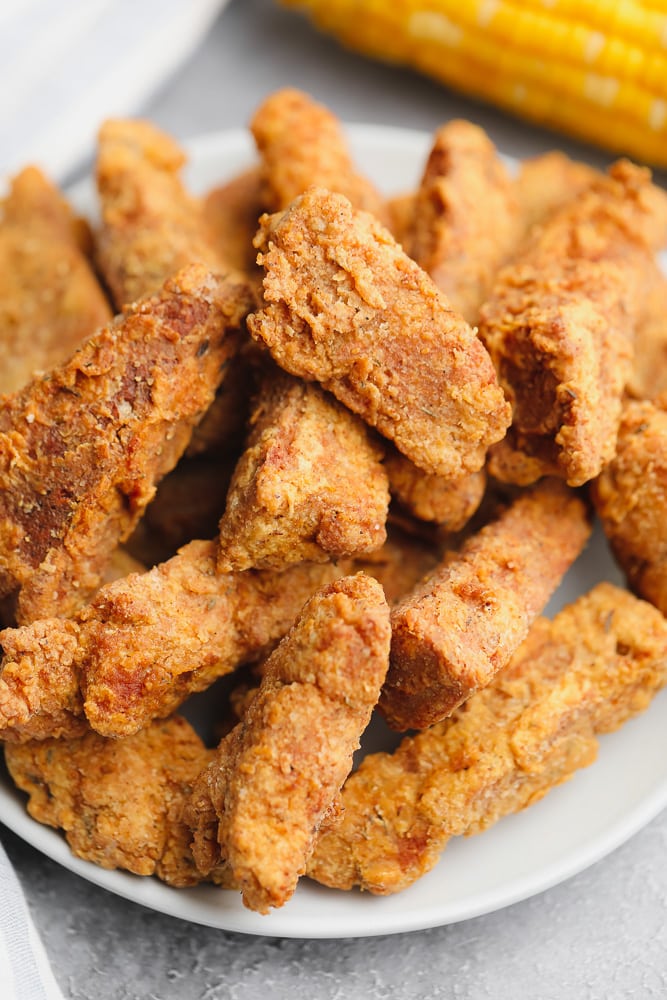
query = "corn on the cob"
{"x": 596, "y": 69}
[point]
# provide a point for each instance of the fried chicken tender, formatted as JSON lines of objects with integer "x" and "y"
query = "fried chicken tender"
{"x": 450, "y": 503}
{"x": 50, "y": 299}
{"x": 548, "y": 182}
{"x": 259, "y": 804}
{"x": 231, "y": 211}
{"x": 630, "y": 497}
{"x": 465, "y": 221}
{"x": 150, "y": 226}
{"x": 146, "y": 642}
{"x": 301, "y": 144}
{"x": 309, "y": 486}
{"x": 560, "y": 327}
{"x": 596, "y": 665}
{"x": 82, "y": 448}
{"x": 118, "y": 801}
{"x": 347, "y": 308}
{"x": 649, "y": 374}
{"x": 453, "y": 634}
{"x": 40, "y": 694}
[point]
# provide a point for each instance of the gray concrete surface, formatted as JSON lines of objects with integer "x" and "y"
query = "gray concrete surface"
{"x": 599, "y": 936}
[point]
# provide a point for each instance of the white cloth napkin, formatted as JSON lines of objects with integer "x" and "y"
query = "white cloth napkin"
{"x": 25, "y": 973}
{"x": 68, "y": 64}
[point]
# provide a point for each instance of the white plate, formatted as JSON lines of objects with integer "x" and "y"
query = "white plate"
{"x": 574, "y": 826}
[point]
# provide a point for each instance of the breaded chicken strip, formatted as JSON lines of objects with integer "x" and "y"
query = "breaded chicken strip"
{"x": 231, "y": 211}
{"x": 401, "y": 563}
{"x": 50, "y": 299}
{"x": 597, "y": 664}
{"x": 146, "y": 642}
{"x": 560, "y": 326}
{"x": 548, "y": 182}
{"x": 40, "y": 692}
{"x": 118, "y": 801}
{"x": 630, "y": 497}
{"x": 450, "y": 503}
{"x": 82, "y": 448}
{"x": 649, "y": 373}
{"x": 347, "y": 308}
{"x": 301, "y": 144}
{"x": 455, "y": 632}
{"x": 259, "y": 804}
{"x": 310, "y": 484}
{"x": 150, "y": 226}
{"x": 466, "y": 222}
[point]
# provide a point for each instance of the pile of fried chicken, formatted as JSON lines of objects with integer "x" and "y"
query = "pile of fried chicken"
{"x": 339, "y": 450}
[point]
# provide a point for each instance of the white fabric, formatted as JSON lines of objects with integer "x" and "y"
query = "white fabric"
{"x": 25, "y": 973}
{"x": 68, "y": 64}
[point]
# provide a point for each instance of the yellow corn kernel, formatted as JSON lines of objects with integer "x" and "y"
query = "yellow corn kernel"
{"x": 594, "y": 68}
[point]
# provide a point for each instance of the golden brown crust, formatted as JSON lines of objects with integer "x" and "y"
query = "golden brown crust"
{"x": 150, "y": 226}
{"x": 259, "y": 804}
{"x": 597, "y": 664}
{"x": 630, "y": 497}
{"x": 347, "y": 308}
{"x": 301, "y": 143}
{"x": 50, "y": 299}
{"x": 548, "y": 182}
{"x": 401, "y": 563}
{"x": 232, "y": 212}
{"x": 449, "y": 503}
{"x": 454, "y": 633}
{"x": 118, "y": 801}
{"x": 466, "y": 221}
{"x": 560, "y": 326}
{"x": 649, "y": 372}
{"x": 146, "y": 642}
{"x": 40, "y": 694}
{"x": 82, "y": 449}
{"x": 153, "y": 640}
{"x": 309, "y": 486}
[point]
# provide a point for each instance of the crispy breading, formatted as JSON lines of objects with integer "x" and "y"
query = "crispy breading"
{"x": 148, "y": 641}
{"x": 82, "y": 448}
{"x": 560, "y": 327}
{"x": 154, "y": 639}
{"x": 649, "y": 371}
{"x": 276, "y": 775}
{"x": 545, "y": 183}
{"x": 466, "y": 222}
{"x": 232, "y": 211}
{"x": 630, "y": 497}
{"x": 118, "y": 801}
{"x": 301, "y": 143}
{"x": 150, "y": 226}
{"x": 455, "y": 632}
{"x": 40, "y": 694}
{"x": 597, "y": 664}
{"x": 450, "y": 503}
{"x": 310, "y": 484}
{"x": 50, "y": 299}
{"x": 399, "y": 212}
{"x": 347, "y": 308}
{"x": 401, "y": 563}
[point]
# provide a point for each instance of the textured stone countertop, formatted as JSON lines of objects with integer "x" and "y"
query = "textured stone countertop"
{"x": 601, "y": 935}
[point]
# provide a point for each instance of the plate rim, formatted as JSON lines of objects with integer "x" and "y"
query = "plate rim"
{"x": 382, "y": 920}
